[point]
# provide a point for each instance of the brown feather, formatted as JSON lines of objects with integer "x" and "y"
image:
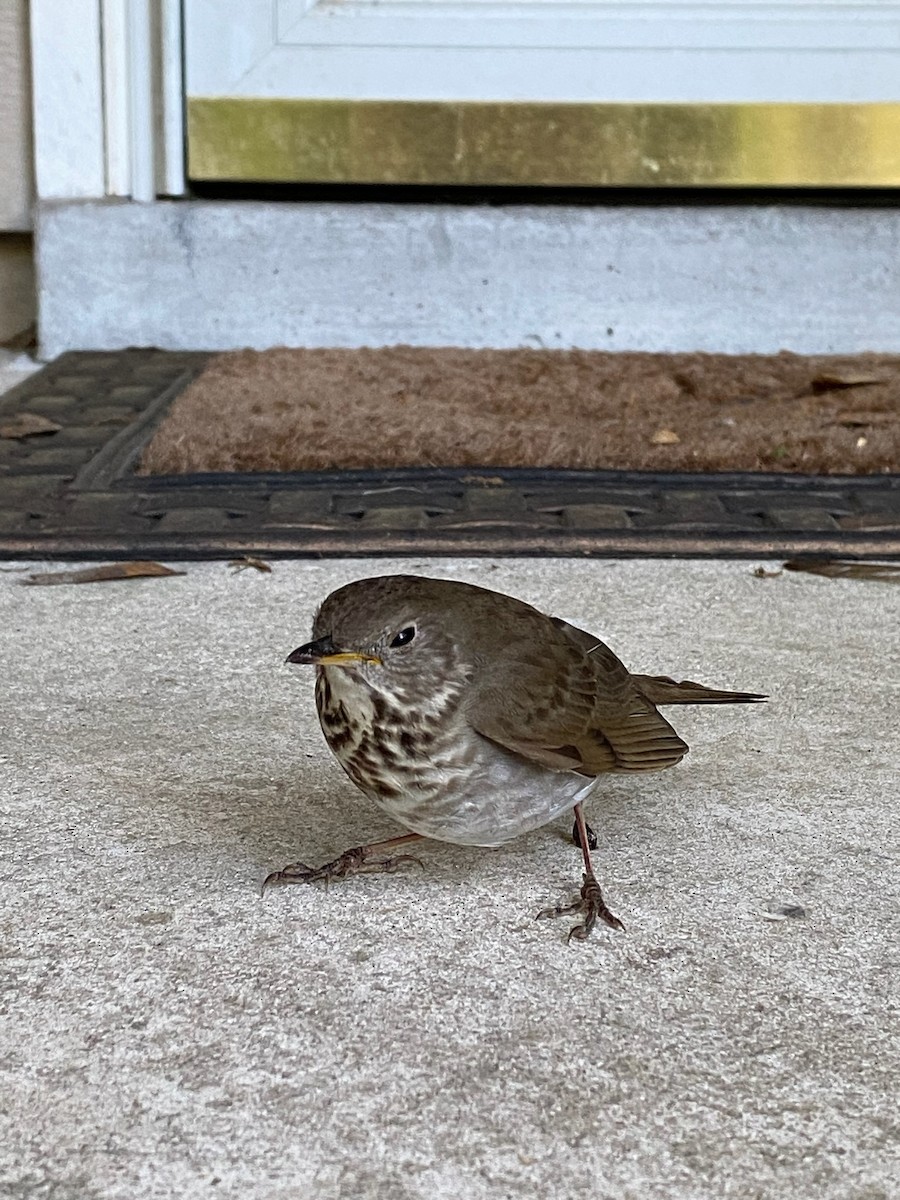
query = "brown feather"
{"x": 660, "y": 689}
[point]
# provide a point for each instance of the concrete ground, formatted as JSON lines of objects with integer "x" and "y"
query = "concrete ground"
{"x": 166, "y": 1032}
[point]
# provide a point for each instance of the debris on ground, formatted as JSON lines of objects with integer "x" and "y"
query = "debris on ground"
{"x": 829, "y": 381}
{"x": 103, "y": 574}
{"x": 26, "y": 424}
{"x": 246, "y": 563}
{"x": 835, "y": 568}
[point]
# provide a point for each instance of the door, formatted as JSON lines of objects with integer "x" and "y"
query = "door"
{"x": 552, "y": 92}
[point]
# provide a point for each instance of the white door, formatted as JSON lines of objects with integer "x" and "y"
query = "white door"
{"x": 624, "y": 92}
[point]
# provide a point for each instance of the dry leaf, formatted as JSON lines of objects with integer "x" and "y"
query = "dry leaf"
{"x": 854, "y": 420}
{"x": 28, "y": 424}
{"x": 484, "y": 480}
{"x": 873, "y": 521}
{"x": 258, "y": 564}
{"x": 836, "y": 568}
{"x": 762, "y": 573}
{"x": 827, "y": 381}
{"x": 109, "y": 571}
{"x": 665, "y": 437}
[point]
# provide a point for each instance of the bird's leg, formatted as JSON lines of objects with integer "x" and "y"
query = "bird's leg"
{"x": 361, "y": 860}
{"x": 591, "y": 904}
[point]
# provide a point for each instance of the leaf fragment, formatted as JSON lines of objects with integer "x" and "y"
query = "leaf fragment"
{"x": 861, "y": 420}
{"x": 665, "y": 437}
{"x": 837, "y": 568}
{"x": 828, "y": 381}
{"x": 26, "y": 424}
{"x": 103, "y": 574}
{"x": 257, "y": 564}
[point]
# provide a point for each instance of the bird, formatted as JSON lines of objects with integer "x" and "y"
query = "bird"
{"x": 470, "y": 717}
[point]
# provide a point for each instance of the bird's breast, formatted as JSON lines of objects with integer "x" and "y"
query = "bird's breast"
{"x": 431, "y": 771}
{"x": 387, "y": 746}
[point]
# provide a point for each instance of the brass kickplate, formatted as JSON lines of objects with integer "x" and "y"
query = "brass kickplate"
{"x": 526, "y": 144}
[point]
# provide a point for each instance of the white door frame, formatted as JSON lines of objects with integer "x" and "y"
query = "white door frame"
{"x": 108, "y": 98}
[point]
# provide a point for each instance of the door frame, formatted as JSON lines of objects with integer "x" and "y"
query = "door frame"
{"x": 108, "y": 98}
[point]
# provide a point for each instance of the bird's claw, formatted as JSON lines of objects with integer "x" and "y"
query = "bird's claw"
{"x": 345, "y": 864}
{"x": 351, "y": 862}
{"x": 593, "y": 907}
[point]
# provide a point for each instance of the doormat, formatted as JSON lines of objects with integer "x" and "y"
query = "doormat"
{"x": 402, "y": 407}
{"x": 72, "y": 437}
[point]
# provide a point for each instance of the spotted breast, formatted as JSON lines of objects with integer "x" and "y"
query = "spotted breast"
{"x": 428, "y": 769}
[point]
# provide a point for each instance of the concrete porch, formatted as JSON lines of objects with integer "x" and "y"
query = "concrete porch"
{"x": 167, "y": 1032}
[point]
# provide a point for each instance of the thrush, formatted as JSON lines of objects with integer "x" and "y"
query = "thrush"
{"x": 470, "y": 717}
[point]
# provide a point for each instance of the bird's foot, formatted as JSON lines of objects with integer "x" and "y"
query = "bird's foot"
{"x": 593, "y": 907}
{"x": 356, "y": 861}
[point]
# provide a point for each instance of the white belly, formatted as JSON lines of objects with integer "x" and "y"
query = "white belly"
{"x": 503, "y": 799}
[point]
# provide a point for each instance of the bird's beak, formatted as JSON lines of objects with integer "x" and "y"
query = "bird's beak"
{"x": 324, "y": 653}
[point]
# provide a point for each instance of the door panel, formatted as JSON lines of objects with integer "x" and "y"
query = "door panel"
{"x": 342, "y": 90}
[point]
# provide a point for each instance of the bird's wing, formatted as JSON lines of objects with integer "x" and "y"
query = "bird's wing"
{"x": 570, "y": 707}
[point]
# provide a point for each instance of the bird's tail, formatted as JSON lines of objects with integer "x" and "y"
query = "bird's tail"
{"x": 660, "y": 689}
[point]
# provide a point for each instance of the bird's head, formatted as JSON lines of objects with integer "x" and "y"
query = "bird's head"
{"x": 394, "y": 631}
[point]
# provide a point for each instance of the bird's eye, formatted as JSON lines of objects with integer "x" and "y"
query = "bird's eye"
{"x": 404, "y": 637}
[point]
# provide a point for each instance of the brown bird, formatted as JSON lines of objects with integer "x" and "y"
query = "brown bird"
{"x": 471, "y": 717}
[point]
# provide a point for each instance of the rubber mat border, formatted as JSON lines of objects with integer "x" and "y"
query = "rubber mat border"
{"x": 73, "y": 494}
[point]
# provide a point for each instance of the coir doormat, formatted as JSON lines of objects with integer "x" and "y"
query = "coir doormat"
{"x": 402, "y": 407}
{"x": 77, "y": 439}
